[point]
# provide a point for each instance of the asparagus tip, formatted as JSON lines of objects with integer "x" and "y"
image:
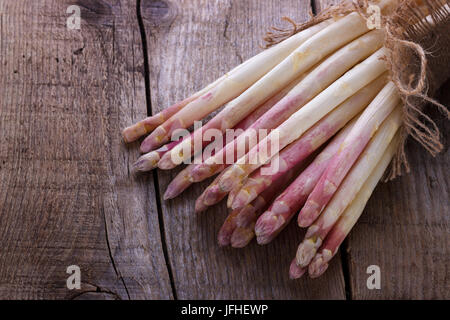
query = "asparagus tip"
{"x": 199, "y": 172}
{"x": 223, "y": 239}
{"x": 230, "y": 199}
{"x": 227, "y": 229}
{"x": 296, "y": 272}
{"x": 212, "y": 196}
{"x": 308, "y": 214}
{"x": 267, "y": 226}
{"x": 154, "y": 140}
{"x": 134, "y": 132}
{"x": 319, "y": 264}
{"x": 200, "y": 206}
{"x": 241, "y": 237}
{"x": 146, "y": 162}
{"x": 170, "y": 193}
{"x": 231, "y": 178}
{"x": 246, "y": 216}
{"x": 306, "y": 251}
{"x": 126, "y": 136}
{"x": 166, "y": 162}
{"x": 144, "y": 148}
{"x": 240, "y": 200}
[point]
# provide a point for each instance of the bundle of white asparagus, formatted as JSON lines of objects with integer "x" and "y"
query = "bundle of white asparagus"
{"x": 309, "y": 125}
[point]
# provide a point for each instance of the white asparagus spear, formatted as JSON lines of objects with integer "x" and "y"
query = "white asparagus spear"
{"x": 149, "y": 124}
{"x": 341, "y": 229}
{"x": 300, "y": 60}
{"x": 349, "y": 187}
{"x": 372, "y": 117}
{"x": 314, "y": 82}
{"x": 287, "y": 204}
{"x": 230, "y": 87}
{"x": 179, "y": 154}
{"x": 290, "y": 130}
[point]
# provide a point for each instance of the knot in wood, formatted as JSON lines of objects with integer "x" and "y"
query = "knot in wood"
{"x": 158, "y": 13}
{"x": 97, "y": 12}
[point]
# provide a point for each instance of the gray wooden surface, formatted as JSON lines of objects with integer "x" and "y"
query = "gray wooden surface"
{"x": 68, "y": 196}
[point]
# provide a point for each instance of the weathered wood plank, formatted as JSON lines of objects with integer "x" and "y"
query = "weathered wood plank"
{"x": 404, "y": 230}
{"x": 67, "y": 195}
{"x": 190, "y": 44}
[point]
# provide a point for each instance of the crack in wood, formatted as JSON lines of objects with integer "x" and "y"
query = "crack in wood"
{"x": 225, "y": 29}
{"x": 108, "y": 245}
{"x": 97, "y": 290}
{"x": 314, "y": 7}
{"x": 155, "y": 175}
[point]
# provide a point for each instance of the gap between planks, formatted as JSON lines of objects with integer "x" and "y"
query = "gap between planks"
{"x": 145, "y": 52}
{"x": 345, "y": 259}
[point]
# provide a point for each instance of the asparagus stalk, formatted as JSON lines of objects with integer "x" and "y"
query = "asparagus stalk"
{"x": 238, "y": 228}
{"x": 317, "y": 80}
{"x": 300, "y": 60}
{"x": 306, "y": 117}
{"x": 349, "y": 188}
{"x": 258, "y": 182}
{"x": 184, "y": 179}
{"x": 304, "y": 146}
{"x": 295, "y": 271}
{"x": 341, "y": 229}
{"x": 203, "y": 170}
{"x": 149, "y": 124}
{"x": 383, "y": 104}
{"x": 233, "y": 194}
{"x": 230, "y": 87}
{"x": 200, "y": 206}
{"x": 271, "y": 222}
{"x": 228, "y": 227}
{"x": 160, "y": 158}
{"x": 178, "y": 154}
{"x": 150, "y": 160}
{"x": 210, "y": 196}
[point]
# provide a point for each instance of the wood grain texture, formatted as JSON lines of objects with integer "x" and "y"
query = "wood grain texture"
{"x": 67, "y": 194}
{"x": 405, "y": 227}
{"x": 190, "y": 44}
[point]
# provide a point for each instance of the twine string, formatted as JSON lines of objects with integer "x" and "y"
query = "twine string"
{"x": 397, "y": 27}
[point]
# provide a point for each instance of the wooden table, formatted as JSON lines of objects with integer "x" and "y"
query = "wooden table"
{"x": 68, "y": 198}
